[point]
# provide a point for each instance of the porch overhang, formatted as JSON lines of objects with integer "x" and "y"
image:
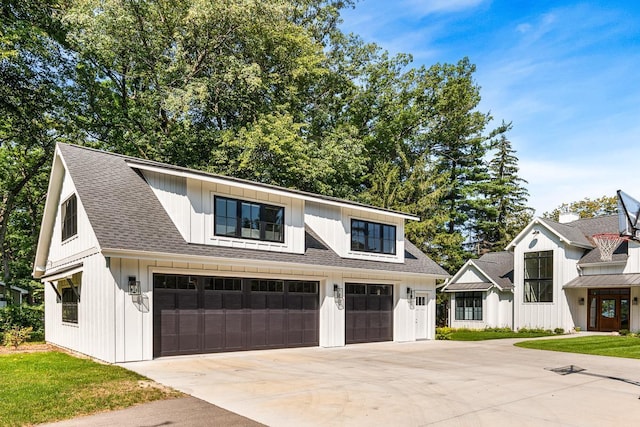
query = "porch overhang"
{"x": 605, "y": 281}
{"x": 461, "y": 287}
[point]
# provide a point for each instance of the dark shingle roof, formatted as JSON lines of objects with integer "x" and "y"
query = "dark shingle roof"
{"x": 582, "y": 231}
{"x": 498, "y": 266}
{"x": 126, "y": 215}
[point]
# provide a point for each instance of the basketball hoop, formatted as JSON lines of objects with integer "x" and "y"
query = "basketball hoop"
{"x": 607, "y": 243}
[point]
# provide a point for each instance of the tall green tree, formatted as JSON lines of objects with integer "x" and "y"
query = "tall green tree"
{"x": 503, "y": 211}
{"x": 586, "y": 208}
{"x": 32, "y": 111}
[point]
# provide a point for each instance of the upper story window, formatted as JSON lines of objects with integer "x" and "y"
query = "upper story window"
{"x": 373, "y": 237}
{"x": 69, "y": 218}
{"x": 538, "y": 276}
{"x": 248, "y": 220}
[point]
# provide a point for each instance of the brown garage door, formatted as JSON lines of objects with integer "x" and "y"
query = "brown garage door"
{"x": 369, "y": 313}
{"x": 199, "y": 314}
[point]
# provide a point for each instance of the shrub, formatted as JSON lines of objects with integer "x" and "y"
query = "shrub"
{"x": 623, "y": 332}
{"x": 558, "y": 331}
{"x": 24, "y": 316}
{"x": 577, "y": 329}
{"x": 16, "y": 335}
{"x": 443, "y": 333}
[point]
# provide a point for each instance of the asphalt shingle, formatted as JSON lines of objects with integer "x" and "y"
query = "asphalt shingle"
{"x": 126, "y": 215}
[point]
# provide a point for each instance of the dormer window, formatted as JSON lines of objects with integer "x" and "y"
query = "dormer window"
{"x": 69, "y": 218}
{"x": 373, "y": 237}
{"x": 248, "y": 220}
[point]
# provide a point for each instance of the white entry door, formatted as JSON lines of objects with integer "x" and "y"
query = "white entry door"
{"x": 421, "y": 315}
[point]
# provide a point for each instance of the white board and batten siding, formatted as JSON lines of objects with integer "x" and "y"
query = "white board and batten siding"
{"x": 132, "y": 326}
{"x": 545, "y": 315}
{"x": 333, "y": 226}
{"x": 93, "y": 334}
{"x": 190, "y": 205}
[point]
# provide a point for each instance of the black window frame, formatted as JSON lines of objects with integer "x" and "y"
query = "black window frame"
{"x": 371, "y": 242}
{"x": 263, "y": 225}
{"x": 70, "y": 298}
{"x": 69, "y": 217}
{"x": 538, "y": 285}
{"x": 469, "y": 300}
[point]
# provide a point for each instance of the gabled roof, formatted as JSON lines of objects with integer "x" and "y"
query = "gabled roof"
{"x": 496, "y": 267}
{"x": 580, "y": 233}
{"x": 127, "y": 217}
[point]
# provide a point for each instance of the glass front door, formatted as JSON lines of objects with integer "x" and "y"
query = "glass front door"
{"x": 608, "y": 309}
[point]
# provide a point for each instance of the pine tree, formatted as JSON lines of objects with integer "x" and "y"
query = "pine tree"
{"x": 504, "y": 211}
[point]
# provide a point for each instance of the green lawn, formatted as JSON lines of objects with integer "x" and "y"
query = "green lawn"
{"x": 617, "y": 346}
{"x": 471, "y": 335}
{"x": 49, "y": 386}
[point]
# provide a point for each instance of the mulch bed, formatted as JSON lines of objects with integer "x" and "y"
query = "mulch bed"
{"x": 29, "y": 348}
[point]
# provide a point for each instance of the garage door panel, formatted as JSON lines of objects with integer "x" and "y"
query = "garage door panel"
{"x": 277, "y": 329}
{"x": 214, "y": 329}
{"x": 369, "y": 316}
{"x": 197, "y": 314}
{"x": 234, "y": 329}
{"x": 187, "y": 300}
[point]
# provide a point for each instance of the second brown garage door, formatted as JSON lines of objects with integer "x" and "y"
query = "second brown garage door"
{"x": 200, "y": 314}
{"x": 369, "y": 313}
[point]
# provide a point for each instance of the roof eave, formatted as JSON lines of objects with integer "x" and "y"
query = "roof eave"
{"x": 149, "y": 255}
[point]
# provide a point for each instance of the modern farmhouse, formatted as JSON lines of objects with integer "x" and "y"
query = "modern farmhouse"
{"x": 142, "y": 259}
{"x": 554, "y": 275}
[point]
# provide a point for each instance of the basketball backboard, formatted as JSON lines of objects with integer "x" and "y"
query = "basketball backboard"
{"x": 628, "y": 214}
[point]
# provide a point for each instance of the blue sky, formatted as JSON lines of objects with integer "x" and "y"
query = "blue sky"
{"x": 566, "y": 73}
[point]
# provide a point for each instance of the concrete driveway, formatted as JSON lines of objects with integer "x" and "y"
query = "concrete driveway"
{"x": 443, "y": 383}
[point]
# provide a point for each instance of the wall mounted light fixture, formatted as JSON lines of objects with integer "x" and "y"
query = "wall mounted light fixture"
{"x": 134, "y": 286}
{"x": 635, "y": 300}
{"x": 338, "y": 294}
{"x": 581, "y": 301}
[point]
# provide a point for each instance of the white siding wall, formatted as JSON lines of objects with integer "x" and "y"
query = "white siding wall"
{"x": 545, "y": 315}
{"x": 471, "y": 275}
{"x": 326, "y": 221}
{"x": 94, "y": 333}
{"x": 172, "y": 193}
{"x": 189, "y": 203}
{"x": 84, "y": 243}
{"x": 133, "y": 323}
{"x": 333, "y": 225}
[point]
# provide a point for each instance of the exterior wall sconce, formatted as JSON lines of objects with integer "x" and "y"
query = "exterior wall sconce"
{"x": 411, "y": 296}
{"x": 635, "y": 300}
{"x": 134, "y": 286}
{"x": 338, "y": 295}
{"x": 581, "y": 301}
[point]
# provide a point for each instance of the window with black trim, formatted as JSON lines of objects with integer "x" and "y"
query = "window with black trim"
{"x": 69, "y": 218}
{"x": 538, "y": 276}
{"x": 468, "y": 305}
{"x": 70, "y": 297}
{"x": 248, "y": 220}
{"x": 373, "y": 237}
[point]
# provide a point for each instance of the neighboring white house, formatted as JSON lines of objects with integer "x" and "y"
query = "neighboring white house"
{"x": 560, "y": 279}
{"x": 482, "y": 293}
{"x": 17, "y": 295}
{"x": 142, "y": 259}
